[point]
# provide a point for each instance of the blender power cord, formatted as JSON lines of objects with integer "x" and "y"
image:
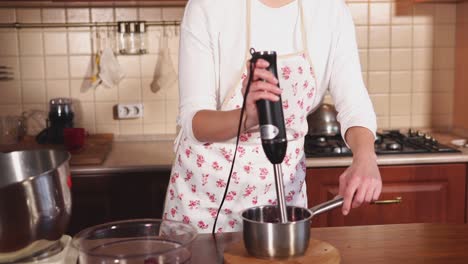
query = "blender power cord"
{"x": 247, "y": 89}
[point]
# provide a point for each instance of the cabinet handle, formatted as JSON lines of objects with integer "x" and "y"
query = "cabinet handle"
{"x": 397, "y": 200}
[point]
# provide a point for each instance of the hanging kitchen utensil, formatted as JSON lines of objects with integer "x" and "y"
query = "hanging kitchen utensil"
{"x": 165, "y": 75}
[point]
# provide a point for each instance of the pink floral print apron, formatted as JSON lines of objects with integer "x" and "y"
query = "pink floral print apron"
{"x": 200, "y": 172}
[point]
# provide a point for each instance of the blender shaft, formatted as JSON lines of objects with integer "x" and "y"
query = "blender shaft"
{"x": 280, "y": 193}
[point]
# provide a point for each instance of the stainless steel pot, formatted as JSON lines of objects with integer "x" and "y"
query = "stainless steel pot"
{"x": 323, "y": 122}
{"x": 266, "y": 237}
{"x": 35, "y": 202}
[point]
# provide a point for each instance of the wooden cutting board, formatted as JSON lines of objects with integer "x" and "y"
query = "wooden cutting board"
{"x": 94, "y": 152}
{"x": 318, "y": 252}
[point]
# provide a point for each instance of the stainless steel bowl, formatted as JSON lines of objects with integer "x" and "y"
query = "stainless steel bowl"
{"x": 35, "y": 202}
{"x": 266, "y": 237}
{"x": 323, "y": 122}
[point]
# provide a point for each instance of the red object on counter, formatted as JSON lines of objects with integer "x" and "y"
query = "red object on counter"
{"x": 74, "y": 138}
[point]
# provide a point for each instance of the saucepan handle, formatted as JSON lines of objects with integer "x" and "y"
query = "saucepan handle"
{"x": 327, "y": 206}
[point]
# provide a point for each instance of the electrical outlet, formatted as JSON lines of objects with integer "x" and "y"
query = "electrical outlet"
{"x": 128, "y": 111}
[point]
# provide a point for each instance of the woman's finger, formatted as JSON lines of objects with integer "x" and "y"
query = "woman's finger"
{"x": 264, "y": 75}
{"x": 348, "y": 196}
{"x": 265, "y": 87}
{"x": 360, "y": 194}
{"x": 254, "y": 96}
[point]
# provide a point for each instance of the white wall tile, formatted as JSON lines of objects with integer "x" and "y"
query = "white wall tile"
{"x": 7, "y": 15}
{"x": 57, "y": 67}
{"x": 130, "y": 65}
{"x": 379, "y": 59}
{"x": 84, "y": 112}
{"x": 401, "y": 59}
{"x": 102, "y": 15}
{"x": 445, "y": 14}
{"x": 379, "y": 13}
{"x": 401, "y": 82}
{"x": 423, "y": 59}
{"x": 150, "y": 13}
{"x": 79, "y": 42}
{"x": 443, "y": 80}
{"x": 148, "y": 65}
{"x": 362, "y": 36}
{"x": 423, "y": 36}
{"x": 172, "y": 13}
{"x": 444, "y": 58}
{"x": 105, "y": 113}
{"x": 81, "y": 90}
{"x": 10, "y": 92}
{"x": 78, "y": 15}
{"x": 444, "y": 36}
{"x": 34, "y": 92}
{"x": 53, "y": 15}
{"x": 402, "y": 36}
{"x": 32, "y": 68}
{"x": 103, "y": 94}
{"x": 31, "y": 43}
{"x": 9, "y": 43}
{"x": 422, "y": 81}
{"x": 155, "y": 112}
{"x": 130, "y": 90}
{"x": 172, "y": 110}
{"x": 55, "y": 43}
{"x": 421, "y": 104}
{"x": 81, "y": 66}
{"x": 57, "y": 88}
{"x": 148, "y": 93}
{"x": 379, "y": 36}
{"x": 403, "y": 121}
{"x": 28, "y": 15}
{"x": 126, "y": 14}
{"x": 379, "y": 82}
{"x": 400, "y": 104}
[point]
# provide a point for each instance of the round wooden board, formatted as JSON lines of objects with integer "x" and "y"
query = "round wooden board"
{"x": 317, "y": 252}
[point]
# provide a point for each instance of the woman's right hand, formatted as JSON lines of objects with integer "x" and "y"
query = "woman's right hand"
{"x": 264, "y": 86}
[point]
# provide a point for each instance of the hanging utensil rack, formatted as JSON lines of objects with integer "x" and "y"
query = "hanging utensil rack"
{"x": 91, "y": 24}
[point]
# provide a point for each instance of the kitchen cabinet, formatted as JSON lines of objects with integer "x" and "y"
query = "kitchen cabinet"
{"x": 411, "y": 194}
{"x": 100, "y": 198}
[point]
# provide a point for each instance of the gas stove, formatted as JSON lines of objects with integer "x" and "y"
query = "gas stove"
{"x": 388, "y": 142}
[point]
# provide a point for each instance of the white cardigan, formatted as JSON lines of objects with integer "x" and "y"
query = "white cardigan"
{"x": 213, "y": 52}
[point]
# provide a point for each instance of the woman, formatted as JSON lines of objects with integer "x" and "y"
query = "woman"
{"x": 315, "y": 40}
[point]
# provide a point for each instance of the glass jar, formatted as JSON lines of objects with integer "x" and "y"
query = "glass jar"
{"x": 122, "y": 41}
{"x": 133, "y": 40}
{"x": 141, "y": 29}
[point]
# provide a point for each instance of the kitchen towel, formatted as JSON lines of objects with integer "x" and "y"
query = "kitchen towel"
{"x": 165, "y": 75}
{"x": 110, "y": 71}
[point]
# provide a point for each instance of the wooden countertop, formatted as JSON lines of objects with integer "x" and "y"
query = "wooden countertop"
{"x": 406, "y": 243}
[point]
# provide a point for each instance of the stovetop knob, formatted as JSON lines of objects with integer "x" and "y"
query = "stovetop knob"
{"x": 428, "y": 137}
{"x": 421, "y": 134}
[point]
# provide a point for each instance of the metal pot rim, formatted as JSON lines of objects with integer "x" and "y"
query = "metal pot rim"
{"x": 33, "y": 177}
{"x": 278, "y": 223}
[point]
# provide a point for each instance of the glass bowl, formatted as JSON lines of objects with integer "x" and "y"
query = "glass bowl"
{"x": 142, "y": 241}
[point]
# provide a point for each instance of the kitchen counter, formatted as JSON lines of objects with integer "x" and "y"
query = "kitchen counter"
{"x": 156, "y": 154}
{"x": 407, "y": 243}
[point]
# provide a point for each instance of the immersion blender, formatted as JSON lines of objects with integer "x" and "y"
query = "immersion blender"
{"x": 273, "y": 131}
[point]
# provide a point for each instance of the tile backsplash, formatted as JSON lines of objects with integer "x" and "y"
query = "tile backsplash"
{"x": 407, "y": 57}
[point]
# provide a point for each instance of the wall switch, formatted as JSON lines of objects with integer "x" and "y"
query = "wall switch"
{"x": 127, "y": 111}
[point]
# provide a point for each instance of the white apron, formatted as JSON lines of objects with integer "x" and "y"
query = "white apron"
{"x": 200, "y": 172}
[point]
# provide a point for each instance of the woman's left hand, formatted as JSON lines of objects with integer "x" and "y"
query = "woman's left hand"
{"x": 360, "y": 183}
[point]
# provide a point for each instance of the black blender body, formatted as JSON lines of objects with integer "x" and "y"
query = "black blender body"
{"x": 61, "y": 116}
{"x": 270, "y": 115}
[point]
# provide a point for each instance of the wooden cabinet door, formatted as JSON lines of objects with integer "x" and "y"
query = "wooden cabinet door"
{"x": 410, "y": 194}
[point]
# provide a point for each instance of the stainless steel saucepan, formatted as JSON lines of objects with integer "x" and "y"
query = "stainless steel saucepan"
{"x": 35, "y": 203}
{"x": 266, "y": 237}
